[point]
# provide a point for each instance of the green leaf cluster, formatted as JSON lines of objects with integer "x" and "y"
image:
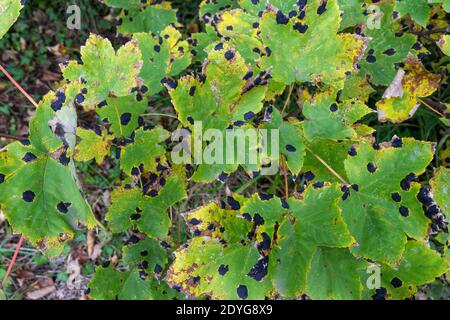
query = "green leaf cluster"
{"x": 332, "y": 76}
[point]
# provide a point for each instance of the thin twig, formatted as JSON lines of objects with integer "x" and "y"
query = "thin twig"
{"x": 431, "y": 108}
{"x": 178, "y": 227}
{"x": 248, "y": 184}
{"x": 430, "y": 32}
{"x": 10, "y": 137}
{"x": 288, "y": 99}
{"x": 13, "y": 260}
{"x": 328, "y": 166}
{"x": 159, "y": 115}
{"x": 286, "y": 184}
{"x": 18, "y": 86}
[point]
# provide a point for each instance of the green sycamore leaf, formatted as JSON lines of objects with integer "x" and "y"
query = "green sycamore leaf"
{"x": 9, "y": 12}
{"x": 419, "y": 10}
{"x": 219, "y": 148}
{"x": 163, "y": 56}
{"x": 417, "y": 225}
{"x": 254, "y": 7}
{"x": 353, "y": 13}
{"x": 146, "y": 150}
{"x": 328, "y": 119}
{"x": 32, "y": 198}
{"x": 241, "y": 31}
{"x": 32, "y": 173}
{"x": 334, "y": 275}
{"x": 291, "y": 141}
{"x": 206, "y": 267}
{"x": 418, "y": 266}
{"x": 224, "y": 97}
{"x": 93, "y": 145}
{"x": 286, "y": 6}
{"x": 122, "y": 114}
{"x": 333, "y": 153}
{"x": 222, "y": 261}
{"x": 386, "y": 48}
{"x": 316, "y": 221}
{"x": 238, "y": 27}
{"x": 130, "y": 207}
{"x": 54, "y": 123}
{"x": 226, "y": 93}
{"x": 381, "y": 208}
{"x": 201, "y": 41}
{"x": 301, "y": 247}
{"x": 297, "y": 53}
{"x": 111, "y": 284}
{"x": 212, "y": 262}
{"x": 41, "y": 134}
{"x": 266, "y": 211}
{"x": 48, "y": 131}
{"x": 440, "y": 185}
{"x": 208, "y": 172}
{"x": 259, "y": 148}
{"x": 208, "y": 9}
{"x": 147, "y": 254}
{"x": 104, "y": 72}
{"x": 151, "y": 16}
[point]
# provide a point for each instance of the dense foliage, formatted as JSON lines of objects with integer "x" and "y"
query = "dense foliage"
{"x": 354, "y": 200}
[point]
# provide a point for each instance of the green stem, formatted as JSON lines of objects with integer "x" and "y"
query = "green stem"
{"x": 159, "y": 115}
{"x": 248, "y": 184}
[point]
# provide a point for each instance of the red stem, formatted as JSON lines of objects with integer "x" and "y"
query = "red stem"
{"x": 18, "y": 86}
{"x": 19, "y": 244}
{"x": 13, "y": 260}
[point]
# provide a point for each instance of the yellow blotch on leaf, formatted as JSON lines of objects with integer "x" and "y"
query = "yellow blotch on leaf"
{"x": 401, "y": 99}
